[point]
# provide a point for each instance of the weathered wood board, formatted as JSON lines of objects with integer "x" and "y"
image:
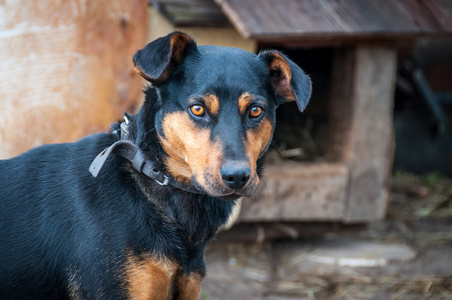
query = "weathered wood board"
{"x": 228, "y": 37}
{"x": 320, "y": 19}
{"x": 299, "y": 192}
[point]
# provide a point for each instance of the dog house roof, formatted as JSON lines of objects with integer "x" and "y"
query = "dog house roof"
{"x": 273, "y": 20}
{"x": 291, "y": 19}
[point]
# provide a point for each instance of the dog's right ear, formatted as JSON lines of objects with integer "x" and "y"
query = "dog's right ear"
{"x": 289, "y": 81}
{"x": 158, "y": 59}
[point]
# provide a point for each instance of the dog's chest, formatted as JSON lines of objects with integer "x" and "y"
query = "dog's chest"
{"x": 149, "y": 277}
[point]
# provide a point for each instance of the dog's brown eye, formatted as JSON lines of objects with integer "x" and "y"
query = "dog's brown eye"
{"x": 197, "y": 110}
{"x": 255, "y": 112}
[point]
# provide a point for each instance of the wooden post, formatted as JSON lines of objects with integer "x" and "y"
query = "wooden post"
{"x": 361, "y": 125}
{"x": 66, "y": 68}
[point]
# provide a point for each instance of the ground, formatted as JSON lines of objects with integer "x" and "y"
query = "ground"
{"x": 406, "y": 256}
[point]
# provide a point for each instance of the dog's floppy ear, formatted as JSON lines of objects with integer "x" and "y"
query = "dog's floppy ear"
{"x": 158, "y": 59}
{"x": 289, "y": 81}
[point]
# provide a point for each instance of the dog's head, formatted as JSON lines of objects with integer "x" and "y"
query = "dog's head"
{"x": 217, "y": 109}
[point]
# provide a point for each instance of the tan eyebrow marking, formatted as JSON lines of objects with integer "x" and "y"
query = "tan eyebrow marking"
{"x": 244, "y": 101}
{"x": 213, "y": 103}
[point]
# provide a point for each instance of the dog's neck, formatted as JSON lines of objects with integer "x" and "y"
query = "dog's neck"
{"x": 198, "y": 216}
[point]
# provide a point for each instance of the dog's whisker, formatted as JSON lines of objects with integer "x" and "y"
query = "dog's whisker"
{"x": 276, "y": 145}
{"x": 264, "y": 187}
{"x": 149, "y": 131}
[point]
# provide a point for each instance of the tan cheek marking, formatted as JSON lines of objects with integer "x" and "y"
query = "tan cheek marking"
{"x": 189, "y": 287}
{"x": 207, "y": 172}
{"x": 282, "y": 88}
{"x": 189, "y": 148}
{"x": 149, "y": 278}
{"x": 244, "y": 101}
{"x": 213, "y": 104}
{"x": 177, "y": 166}
{"x": 257, "y": 140}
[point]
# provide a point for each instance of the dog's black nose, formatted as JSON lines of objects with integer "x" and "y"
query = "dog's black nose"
{"x": 235, "y": 175}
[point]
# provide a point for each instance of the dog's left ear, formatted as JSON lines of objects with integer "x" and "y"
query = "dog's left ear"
{"x": 289, "y": 81}
{"x": 160, "y": 58}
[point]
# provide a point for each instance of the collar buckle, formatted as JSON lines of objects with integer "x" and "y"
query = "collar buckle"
{"x": 127, "y": 149}
{"x": 164, "y": 182}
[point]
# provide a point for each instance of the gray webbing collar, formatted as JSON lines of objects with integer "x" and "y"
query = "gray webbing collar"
{"x": 132, "y": 153}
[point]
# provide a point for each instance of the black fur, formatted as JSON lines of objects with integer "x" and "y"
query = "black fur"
{"x": 61, "y": 230}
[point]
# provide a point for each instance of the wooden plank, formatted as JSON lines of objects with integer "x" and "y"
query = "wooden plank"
{"x": 192, "y": 13}
{"x": 299, "y": 192}
{"x": 311, "y": 19}
{"x": 268, "y": 231}
{"x": 207, "y": 3}
{"x": 361, "y": 125}
{"x": 228, "y": 37}
{"x": 66, "y": 69}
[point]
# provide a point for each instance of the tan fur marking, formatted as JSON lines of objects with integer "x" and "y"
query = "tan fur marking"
{"x": 257, "y": 140}
{"x": 212, "y": 103}
{"x": 189, "y": 287}
{"x": 138, "y": 70}
{"x": 282, "y": 88}
{"x": 178, "y": 43}
{"x": 149, "y": 278}
{"x": 244, "y": 101}
{"x": 190, "y": 150}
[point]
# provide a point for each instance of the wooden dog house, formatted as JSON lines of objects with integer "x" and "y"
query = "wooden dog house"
{"x": 352, "y": 187}
{"x": 68, "y": 74}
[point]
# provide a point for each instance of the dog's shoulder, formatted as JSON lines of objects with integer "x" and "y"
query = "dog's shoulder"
{"x": 55, "y": 156}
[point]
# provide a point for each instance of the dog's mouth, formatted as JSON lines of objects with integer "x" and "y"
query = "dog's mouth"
{"x": 221, "y": 192}
{"x": 230, "y": 197}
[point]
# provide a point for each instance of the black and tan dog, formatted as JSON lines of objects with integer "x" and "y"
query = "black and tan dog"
{"x": 164, "y": 184}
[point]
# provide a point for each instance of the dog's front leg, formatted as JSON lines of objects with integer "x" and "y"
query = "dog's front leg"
{"x": 189, "y": 287}
{"x": 150, "y": 278}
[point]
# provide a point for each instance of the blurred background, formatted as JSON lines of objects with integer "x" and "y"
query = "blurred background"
{"x": 357, "y": 197}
